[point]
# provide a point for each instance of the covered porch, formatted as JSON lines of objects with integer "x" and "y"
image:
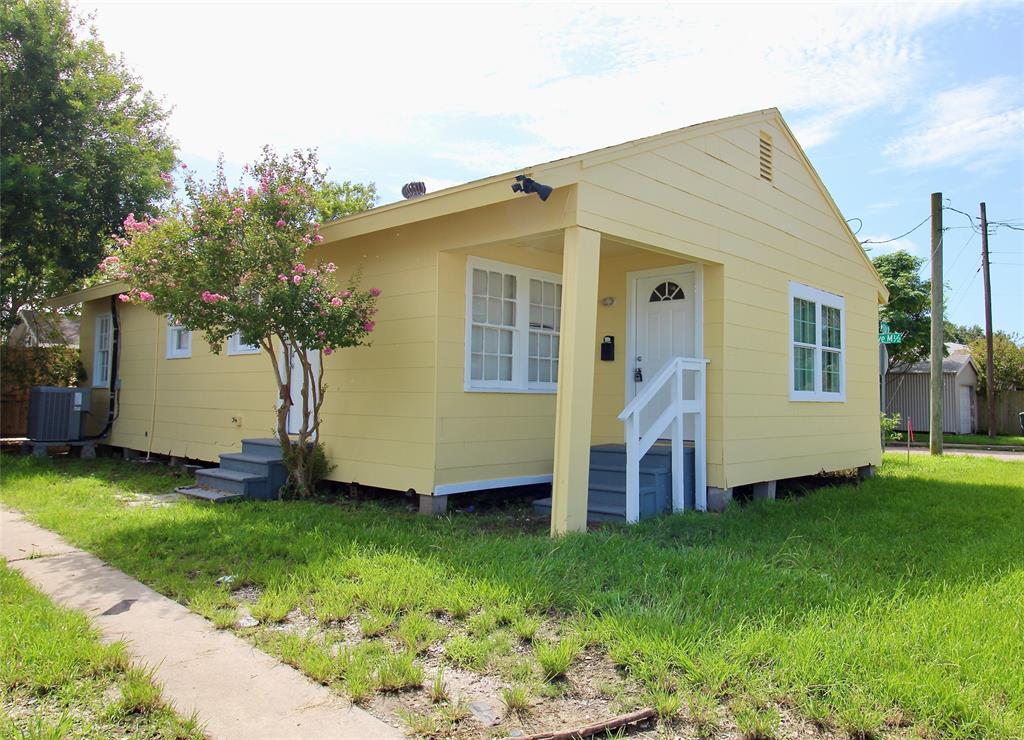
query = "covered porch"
{"x": 624, "y": 336}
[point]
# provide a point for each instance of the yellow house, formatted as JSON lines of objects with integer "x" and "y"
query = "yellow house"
{"x": 699, "y": 287}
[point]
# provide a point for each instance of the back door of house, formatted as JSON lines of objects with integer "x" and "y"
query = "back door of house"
{"x": 295, "y": 412}
{"x": 664, "y": 327}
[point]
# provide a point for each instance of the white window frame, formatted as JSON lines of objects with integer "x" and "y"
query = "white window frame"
{"x": 174, "y": 353}
{"x": 520, "y": 332}
{"x": 235, "y": 346}
{"x": 819, "y": 298}
{"x": 108, "y": 347}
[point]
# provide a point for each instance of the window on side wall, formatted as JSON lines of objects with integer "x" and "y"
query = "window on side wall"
{"x": 817, "y": 358}
{"x": 513, "y": 324}
{"x": 179, "y": 340}
{"x": 103, "y": 352}
{"x": 236, "y": 347}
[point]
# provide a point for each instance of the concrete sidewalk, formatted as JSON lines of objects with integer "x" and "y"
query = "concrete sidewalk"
{"x": 237, "y": 690}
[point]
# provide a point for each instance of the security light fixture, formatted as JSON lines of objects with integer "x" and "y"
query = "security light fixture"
{"x": 524, "y": 184}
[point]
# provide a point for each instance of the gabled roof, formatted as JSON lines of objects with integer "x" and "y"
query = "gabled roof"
{"x": 959, "y": 356}
{"x": 43, "y": 329}
{"x": 496, "y": 188}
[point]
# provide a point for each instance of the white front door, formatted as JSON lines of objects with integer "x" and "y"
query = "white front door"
{"x": 664, "y": 327}
{"x": 966, "y": 408}
{"x": 295, "y": 412}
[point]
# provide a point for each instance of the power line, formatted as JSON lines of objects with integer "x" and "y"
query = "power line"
{"x": 960, "y": 253}
{"x": 970, "y": 218}
{"x": 895, "y": 238}
{"x": 967, "y": 291}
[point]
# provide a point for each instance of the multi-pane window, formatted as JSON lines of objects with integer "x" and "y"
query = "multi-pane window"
{"x": 179, "y": 340}
{"x": 237, "y": 347}
{"x": 816, "y": 320}
{"x": 494, "y": 321}
{"x": 101, "y": 359}
{"x": 545, "y": 323}
{"x": 514, "y": 315}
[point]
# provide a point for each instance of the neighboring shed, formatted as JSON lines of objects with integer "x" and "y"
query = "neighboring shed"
{"x": 907, "y": 393}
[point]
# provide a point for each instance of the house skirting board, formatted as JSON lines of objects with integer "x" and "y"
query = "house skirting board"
{"x": 448, "y": 489}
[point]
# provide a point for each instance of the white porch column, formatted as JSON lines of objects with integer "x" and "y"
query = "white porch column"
{"x": 581, "y": 260}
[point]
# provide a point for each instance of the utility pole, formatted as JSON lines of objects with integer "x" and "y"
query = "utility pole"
{"x": 990, "y": 393}
{"x": 935, "y": 423}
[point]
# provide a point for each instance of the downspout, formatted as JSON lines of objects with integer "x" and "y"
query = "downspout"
{"x": 115, "y": 350}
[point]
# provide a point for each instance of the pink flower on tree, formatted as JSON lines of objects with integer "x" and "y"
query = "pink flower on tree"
{"x": 145, "y": 296}
{"x": 368, "y": 326}
{"x": 375, "y": 292}
{"x": 296, "y": 279}
{"x": 167, "y": 178}
{"x": 328, "y": 351}
{"x": 209, "y": 297}
{"x": 337, "y": 302}
{"x": 280, "y": 223}
{"x": 123, "y": 298}
{"x": 283, "y": 278}
{"x": 300, "y": 268}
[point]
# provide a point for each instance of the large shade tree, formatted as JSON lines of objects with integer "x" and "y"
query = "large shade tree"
{"x": 82, "y": 144}
{"x": 909, "y": 307}
{"x": 243, "y": 259}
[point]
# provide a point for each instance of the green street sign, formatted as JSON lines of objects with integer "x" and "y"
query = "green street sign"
{"x": 891, "y": 337}
{"x": 883, "y": 328}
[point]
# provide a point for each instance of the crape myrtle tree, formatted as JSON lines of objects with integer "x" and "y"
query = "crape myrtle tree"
{"x": 224, "y": 260}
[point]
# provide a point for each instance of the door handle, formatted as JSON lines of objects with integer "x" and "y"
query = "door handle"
{"x": 638, "y": 375}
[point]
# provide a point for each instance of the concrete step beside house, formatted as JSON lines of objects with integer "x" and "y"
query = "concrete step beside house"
{"x": 257, "y": 472}
{"x": 606, "y": 495}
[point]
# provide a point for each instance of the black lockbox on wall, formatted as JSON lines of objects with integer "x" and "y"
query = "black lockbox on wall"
{"x": 608, "y": 349}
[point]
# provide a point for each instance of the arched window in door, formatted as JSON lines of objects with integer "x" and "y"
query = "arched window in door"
{"x": 667, "y": 291}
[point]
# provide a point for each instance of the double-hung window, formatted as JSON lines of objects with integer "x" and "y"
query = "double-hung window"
{"x": 237, "y": 347}
{"x": 103, "y": 352}
{"x": 513, "y": 321}
{"x": 817, "y": 337}
{"x": 179, "y": 340}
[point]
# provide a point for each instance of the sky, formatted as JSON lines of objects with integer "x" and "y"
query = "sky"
{"x": 892, "y": 102}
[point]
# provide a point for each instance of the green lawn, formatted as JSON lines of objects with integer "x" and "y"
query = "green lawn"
{"x": 57, "y": 680}
{"x": 896, "y": 606}
{"x": 981, "y": 439}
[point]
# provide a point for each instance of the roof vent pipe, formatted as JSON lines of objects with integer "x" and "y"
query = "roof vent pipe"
{"x": 413, "y": 190}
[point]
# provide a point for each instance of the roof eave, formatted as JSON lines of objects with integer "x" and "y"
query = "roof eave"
{"x": 92, "y": 293}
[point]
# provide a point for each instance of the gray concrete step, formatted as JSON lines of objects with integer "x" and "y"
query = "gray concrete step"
{"x": 265, "y": 447}
{"x": 234, "y": 481}
{"x": 209, "y": 494}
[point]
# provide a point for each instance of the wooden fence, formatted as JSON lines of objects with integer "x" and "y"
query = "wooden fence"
{"x": 1009, "y": 404}
{"x": 23, "y": 367}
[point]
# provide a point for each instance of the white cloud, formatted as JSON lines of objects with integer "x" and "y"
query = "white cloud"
{"x": 905, "y": 245}
{"x": 973, "y": 125}
{"x": 539, "y": 80}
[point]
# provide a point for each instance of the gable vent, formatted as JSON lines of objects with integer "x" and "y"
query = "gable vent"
{"x": 766, "y": 157}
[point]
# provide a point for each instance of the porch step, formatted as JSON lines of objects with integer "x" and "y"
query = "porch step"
{"x": 249, "y": 485}
{"x": 209, "y": 494}
{"x": 606, "y": 494}
{"x": 268, "y": 448}
{"x": 607, "y": 505}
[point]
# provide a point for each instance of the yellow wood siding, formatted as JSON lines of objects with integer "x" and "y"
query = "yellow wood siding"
{"x": 397, "y": 414}
{"x": 703, "y": 197}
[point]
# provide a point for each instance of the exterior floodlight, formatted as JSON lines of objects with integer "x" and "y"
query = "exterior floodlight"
{"x": 524, "y": 184}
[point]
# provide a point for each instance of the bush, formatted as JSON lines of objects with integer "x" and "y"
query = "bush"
{"x": 889, "y": 427}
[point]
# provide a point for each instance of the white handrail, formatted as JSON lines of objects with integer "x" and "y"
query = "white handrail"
{"x": 639, "y": 441}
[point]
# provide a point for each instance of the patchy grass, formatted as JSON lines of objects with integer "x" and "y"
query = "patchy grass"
{"x": 57, "y": 680}
{"x": 851, "y": 606}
